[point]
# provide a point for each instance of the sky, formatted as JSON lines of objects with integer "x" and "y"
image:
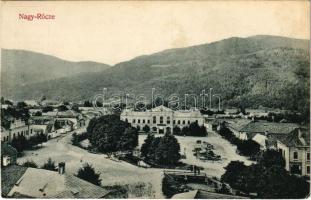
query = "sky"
{"x": 112, "y": 32}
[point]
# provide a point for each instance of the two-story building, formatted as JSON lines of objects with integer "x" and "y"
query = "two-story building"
{"x": 17, "y": 128}
{"x": 162, "y": 119}
{"x": 295, "y": 148}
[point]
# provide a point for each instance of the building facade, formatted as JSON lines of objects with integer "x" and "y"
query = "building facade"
{"x": 295, "y": 148}
{"x": 162, "y": 119}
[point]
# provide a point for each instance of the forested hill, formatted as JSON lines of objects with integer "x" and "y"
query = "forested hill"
{"x": 261, "y": 70}
{"x": 21, "y": 68}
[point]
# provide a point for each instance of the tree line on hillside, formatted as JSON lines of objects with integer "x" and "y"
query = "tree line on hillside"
{"x": 268, "y": 178}
{"x": 247, "y": 148}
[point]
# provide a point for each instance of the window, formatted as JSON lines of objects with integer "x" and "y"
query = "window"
{"x": 144, "y": 121}
{"x": 295, "y": 155}
{"x": 133, "y": 120}
{"x": 30, "y": 130}
{"x": 308, "y": 156}
{"x": 178, "y": 122}
{"x": 161, "y": 119}
{"x": 183, "y": 122}
{"x": 174, "y": 121}
{"x": 168, "y": 120}
{"x": 154, "y": 129}
{"x": 148, "y": 121}
{"x": 138, "y": 121}
{"x": 188, "y": 121}
{"x": 308, "y": 169}
{"x": 154, "y": 119}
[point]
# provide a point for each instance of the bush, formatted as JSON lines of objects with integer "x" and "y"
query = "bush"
{"x": 176, "y": 130}
{"x": 77, "y": 138}
{"x": 30, "y": 163}
{"x": 87, "y": 173}
{"x": 146, "y": 129}
{"x": 49, "y": 165}
{"x": 194, "y": 130}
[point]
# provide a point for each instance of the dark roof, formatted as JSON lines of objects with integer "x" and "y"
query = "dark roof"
{"x": 55, "y": 185}
{"x": 237, "y": 124}
{"x": 293, "y": 139}
{"x": 7, "y": 149}
{"x": 9, "y": 176}
{"x": 270, "y": 127}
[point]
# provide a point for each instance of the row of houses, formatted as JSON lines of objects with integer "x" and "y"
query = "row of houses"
{"x": 52, "y": 124}
{"x": 290, "y": 139}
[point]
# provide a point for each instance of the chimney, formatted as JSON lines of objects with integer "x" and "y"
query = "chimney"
{"x": 61, "y": 168}
{"x": 299, "y": 133}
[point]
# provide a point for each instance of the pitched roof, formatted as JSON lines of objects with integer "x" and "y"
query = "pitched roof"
{"x": 237, "y": 124}
{"x": 40, "y": 183}
{"x": 9, "y": 176}
{"x": 270, "y": 127}
{"x": 161, "y": 109}
{"x": 8, "y": 149}
{"x": 295, "y": 139}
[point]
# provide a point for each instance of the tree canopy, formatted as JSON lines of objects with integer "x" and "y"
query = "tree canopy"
{"x": 268, "y": 179}
{"x": 109, "y": 134}
{"x": 161, "y": 150}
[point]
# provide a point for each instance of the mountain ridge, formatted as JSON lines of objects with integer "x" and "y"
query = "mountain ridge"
{"x": 257, "y": 70}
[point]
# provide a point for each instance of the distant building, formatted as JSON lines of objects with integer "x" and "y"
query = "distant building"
{"x": 8, "y": 155}
{"x": 236, "y": 126}
{"x": 253, "y": 128}
{"x": 41, "y": 183}
{"x": 31, "y": 103}
{"x": 162, "y": 119}
{"x": 17, "y": 128}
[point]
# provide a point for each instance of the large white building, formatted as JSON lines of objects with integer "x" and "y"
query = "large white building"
{"x": 162, "y": 119}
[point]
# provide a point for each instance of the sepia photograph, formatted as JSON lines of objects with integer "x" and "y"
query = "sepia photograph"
{"x": 155, "y": 99}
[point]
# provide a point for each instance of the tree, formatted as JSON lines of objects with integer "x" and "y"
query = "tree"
{"x": 168, "y": 149}
{"x": 62, "y": 108}
{"x": 176, "y": 130}
{"x": 161, "y": 150}
{"x": 145, "y": 148}
{"x": 109, "y": 134}
{"x": 272, "y": 182}
{"x": 194, "y": 130}
{"x": 248, "y": 147}
{"x": 87, "y": 104}
{"x": 271, "y": 158}
{"x": 87, "y": 173}
{"x": 30, "y": 163}
{"x": 21, "y": 105}
{"x": 49, "y": 165}
{"x": 47, "y": 109}
{"x": 146, "y": 129}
